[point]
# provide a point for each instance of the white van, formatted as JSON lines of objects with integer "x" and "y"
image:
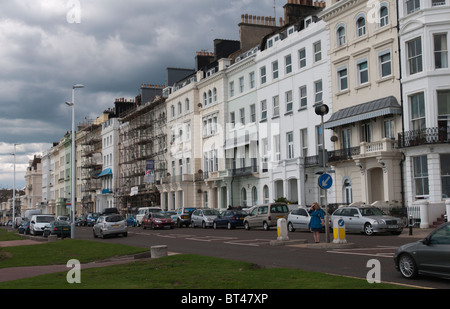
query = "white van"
{"x": 143, "y": 211}
{"x": 38, "y": 222}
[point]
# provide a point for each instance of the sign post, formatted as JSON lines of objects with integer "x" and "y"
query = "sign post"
{"x": 325, "y": 180}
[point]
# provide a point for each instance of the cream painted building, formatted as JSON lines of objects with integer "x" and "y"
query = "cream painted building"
{"x": 366, "y": 101}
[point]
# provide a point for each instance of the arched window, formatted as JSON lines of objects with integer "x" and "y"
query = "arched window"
{"x": 266, "y": 194}
{"x": 210, "y": 97}
{"x": 384, "y": 15}
{"x": 172, "y": 111}
{"x": 340, "y": 35}
{"x": 205, "y": 99}
{"x": 215, "y": 94}
{"x": 243, "y": 197}
{"x": 186, "y": 105}
{"x": 180, "y": 108}
{"x": 254, "y": 196}
{"x": 360, "y": 25}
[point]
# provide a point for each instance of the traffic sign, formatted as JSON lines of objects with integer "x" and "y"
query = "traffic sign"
{"x": 325, "y": 181}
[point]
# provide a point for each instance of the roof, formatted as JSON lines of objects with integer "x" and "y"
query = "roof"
{"x": 368, "y": 110}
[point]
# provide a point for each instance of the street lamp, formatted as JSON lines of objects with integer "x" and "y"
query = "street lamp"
{"x": 72, "y": 214}
{"x": 14, "y": 189}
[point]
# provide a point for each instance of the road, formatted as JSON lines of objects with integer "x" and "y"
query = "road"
{"x": 255, "y": 246}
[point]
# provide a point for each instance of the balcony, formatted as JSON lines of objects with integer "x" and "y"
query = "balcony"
{"x": 428, "y": 136}
{"x": 343, "y": 154}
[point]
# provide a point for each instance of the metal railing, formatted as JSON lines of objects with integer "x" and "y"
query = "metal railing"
{"x": 425, "y": 136}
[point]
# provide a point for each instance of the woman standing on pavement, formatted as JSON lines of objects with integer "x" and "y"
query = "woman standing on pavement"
{"x": 316, "y": 222}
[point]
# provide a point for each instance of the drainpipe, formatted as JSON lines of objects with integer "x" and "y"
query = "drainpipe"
{"x": 402, "y": 176}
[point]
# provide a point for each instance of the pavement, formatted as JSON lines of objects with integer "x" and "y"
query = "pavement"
{"x": 15, "y": 273}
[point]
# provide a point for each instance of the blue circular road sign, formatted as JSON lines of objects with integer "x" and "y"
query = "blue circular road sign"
{"x": 325, "y": 181}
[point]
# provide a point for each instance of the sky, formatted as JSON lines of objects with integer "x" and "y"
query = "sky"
{"x": 109, "y": 46}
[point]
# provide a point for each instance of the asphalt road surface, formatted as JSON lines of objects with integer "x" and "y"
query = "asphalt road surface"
{"x": 255, "y": 246}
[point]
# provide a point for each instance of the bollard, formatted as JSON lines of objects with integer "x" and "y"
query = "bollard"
{"x": 158, "y": 251}
{"x": 282, "y": 230}
{"x": 339, "y": 231}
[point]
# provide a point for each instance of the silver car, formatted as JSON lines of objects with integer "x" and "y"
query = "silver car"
{"x": 368, "y": 220}
{"x": 204, "y": 217}
{"x": 110, "y": 225}
{"x": 430, "y": 256}
{"x": 298, "y": 219}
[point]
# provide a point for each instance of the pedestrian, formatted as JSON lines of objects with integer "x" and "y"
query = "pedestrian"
{"x": 316, "y": 223}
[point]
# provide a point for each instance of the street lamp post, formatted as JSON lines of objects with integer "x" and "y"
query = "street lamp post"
{"x": 14, "y": 190}
{"x": 72, "y": 214}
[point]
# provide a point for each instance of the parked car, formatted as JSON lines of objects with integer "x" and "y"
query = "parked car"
{"x": 131, "y": 220}
{"x": 266, "y": 215}
{"x": 24, "y": 228}
{"x": 59, "y": 228}
{"x": 183, "y": 216}
{"x": 430, "y": 256}
{"x": 143, "y": 211}
{"x": 204, "y": 217}
{"x": 368, "y": 220}
{"x": 110, "y": 225}
{"x": 92, "y": 218}
{"x": 298, "y": 219}
{"x": 157, "y": 220}
{"x": 81, "y": 220}
{"x": 230, "y": 219}
{"x": 38, "y": 223}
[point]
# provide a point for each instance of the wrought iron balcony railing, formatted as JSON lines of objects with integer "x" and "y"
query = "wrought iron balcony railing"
{"x": 437, "y": 135}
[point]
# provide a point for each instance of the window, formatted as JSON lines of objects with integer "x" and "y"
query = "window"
{"x": 252, "y": 80}
{"x": 437, "y": 2}
{"x": 276, "y": 146}
{"x": 389, "y": 131}
{"x": 288, "y": 64}
{"x": 275, "y": 106}
{"x": 412, "y": 6}
{"x": 360, "y": 26}
{"x": 188, "y": 165}
{"x": 262, "y": 72}
{"x": 319, "y": 139}
{"x": 384, "y": 59}
{"x": 304, "y": 142}
{"x": 440, "y": 51}
{"x": 205, "y": 99}
{"x": 180, "y": 108}
{"x": 241, "y": 85}
{"x": 445, "y": 174}
{"x": 290, "y": 145}
{"x": 366, "y": 132}
{"x": 303, "y": 97}
{"x": 302, "y": 57}
{"x": 443, "y": 98}
{"x": 414, "y": 48}
{"x": 417, "y": 106}
{"x": 289, "y": 101}
{"x": 275, "y": 69}
{"x": 252, "y": 113}
{"x": 340, "y": 35}
{"x": 188, "y": 131}
{"x": 231, "y": 89}
{"x": 210, "y": 98}
{"x": 215, "y": 94}
{"x": 384, "y": 15}
{"x": 363, "y": 72}
{"x": 317, "y": 51}
{"x": 172, "y": 111}
{"x": 420, "y": 167}
{"x": 342, "y": 78}
{"x": 263, "y": 110}
{"x": 232, "y": 120}
{"x": 266, "y": 194}
{"x": 242, "y": 115}
{"x": 318, "y": 92}
{"x": 186, "y": 105}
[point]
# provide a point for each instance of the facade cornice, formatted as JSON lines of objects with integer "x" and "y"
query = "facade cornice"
{"x": 337, "y": 9}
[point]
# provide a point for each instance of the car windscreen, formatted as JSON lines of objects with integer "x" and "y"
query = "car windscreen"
{"x": 44, "y": 219}
{"x": 211, "y": 212}
{"x": 280, "y": 208}
{"x": 160, "y": 215}
{"x": 114, "y": 218}
{"x": 372, "y": 211}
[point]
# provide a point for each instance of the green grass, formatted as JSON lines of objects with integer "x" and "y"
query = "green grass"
{"x": 61, "y": 251}
{"x": 5, "y": 235}
{"x": 193, "y": 272}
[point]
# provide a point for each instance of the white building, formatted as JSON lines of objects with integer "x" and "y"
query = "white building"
{"x": 109, "y": 174}
{"x": 424, "y": 34}
{"x": 293, "y": 78}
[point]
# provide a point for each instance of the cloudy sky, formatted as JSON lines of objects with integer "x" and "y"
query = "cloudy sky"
{"x": 110, "y": 46}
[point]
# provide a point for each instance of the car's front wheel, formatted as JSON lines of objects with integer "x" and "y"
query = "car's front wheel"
{"x": 246, "y": 225}
{"x": 407, "y": 266}
{"x": 291, "y": 227}
{"x": 368, "y": 229}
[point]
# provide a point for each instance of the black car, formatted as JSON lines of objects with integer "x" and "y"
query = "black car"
{"x": 24, "y": 228}
{"x": 230, "y": 219}
{"x": 81, "y": 220}
{"x": 430, "y": 256}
